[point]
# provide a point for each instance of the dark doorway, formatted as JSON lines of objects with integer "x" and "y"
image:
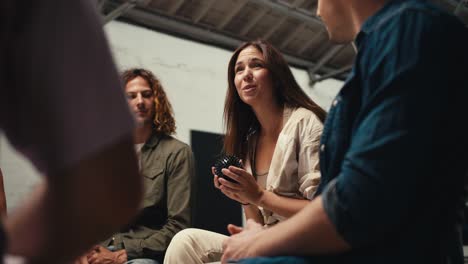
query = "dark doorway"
{"x": 212, "y": 210}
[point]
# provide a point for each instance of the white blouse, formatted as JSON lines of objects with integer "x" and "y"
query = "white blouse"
{"x": 294, "y": 170}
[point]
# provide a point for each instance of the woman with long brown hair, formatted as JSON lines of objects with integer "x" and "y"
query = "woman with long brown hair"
{"x": 275, "y": 128}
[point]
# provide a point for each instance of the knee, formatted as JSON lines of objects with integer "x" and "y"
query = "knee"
{"x": 185, "y": 238}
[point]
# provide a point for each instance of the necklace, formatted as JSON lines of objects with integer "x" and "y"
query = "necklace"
{"x": 258, "y": 174}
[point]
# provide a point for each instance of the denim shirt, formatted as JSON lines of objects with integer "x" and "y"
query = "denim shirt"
{"x": 394, "y": 147}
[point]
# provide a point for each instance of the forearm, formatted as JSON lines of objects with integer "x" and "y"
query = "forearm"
{"x": 62, "y": 219}
{"x": 251, "y": 211}
{"x": 308, "y": 232}
{"x": 29, "y": 222}
{"x": 138, "y": 247}
{"x": 154, "y": 242}
{"x": 121, "y": 256}
{"x": 39, "y": 228}
{"x": 281, "y": 205}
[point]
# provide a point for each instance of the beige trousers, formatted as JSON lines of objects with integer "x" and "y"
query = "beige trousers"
{"x": 195, "y": 246}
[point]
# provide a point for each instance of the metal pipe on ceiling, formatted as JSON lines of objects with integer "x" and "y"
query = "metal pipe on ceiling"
{"x": 122, "y": 8}
{"x": 331, "y": 74}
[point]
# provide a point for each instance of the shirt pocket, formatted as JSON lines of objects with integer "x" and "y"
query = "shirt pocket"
{"x": 153, "y": 184}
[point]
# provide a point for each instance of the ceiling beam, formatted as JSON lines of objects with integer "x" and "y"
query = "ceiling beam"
{"x": 291, "y": 36}
{"x": 253, "y": 21}
{"x": 175, "y": 6}
{"x": 122, "y": 8}
{"x": 308, "y": 43}
{"x": 274, "y": 27}
{"x": 323, "y": 60}
{"x": 328, "y": 56}
{"x": 298, "y": 3}
{"x": 289, "y": 11}
{"x": 203, "y": 11}
{"x": 331, "y": 74}
{"x": 283, "y": 9}
{"x": 232, "y": 14}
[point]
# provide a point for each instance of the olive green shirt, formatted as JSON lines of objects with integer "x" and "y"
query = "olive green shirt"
{"x": 168, "y": 172}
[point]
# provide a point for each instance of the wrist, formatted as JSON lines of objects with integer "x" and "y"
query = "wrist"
{"x": 260, "y": 198}
{"x": 258, "y": 249}
{"x": 121, "y": 256}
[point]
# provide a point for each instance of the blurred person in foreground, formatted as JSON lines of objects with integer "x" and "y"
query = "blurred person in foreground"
{"x": 62, "y": 107}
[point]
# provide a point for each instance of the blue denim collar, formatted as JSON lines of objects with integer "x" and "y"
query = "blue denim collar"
{"x": 380, "y": 16}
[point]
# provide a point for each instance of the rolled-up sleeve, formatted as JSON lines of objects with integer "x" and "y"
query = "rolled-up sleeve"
{"x": 308, "y": 159}
{"x": 295, "y": 170}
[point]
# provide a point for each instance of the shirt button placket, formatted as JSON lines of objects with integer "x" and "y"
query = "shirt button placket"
{"x": 335, "y": 102}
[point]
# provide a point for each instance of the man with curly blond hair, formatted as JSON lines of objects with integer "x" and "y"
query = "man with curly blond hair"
{"x": 166, "y": 165}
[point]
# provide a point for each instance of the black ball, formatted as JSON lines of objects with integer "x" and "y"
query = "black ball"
{"x": 224, "y": 162}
